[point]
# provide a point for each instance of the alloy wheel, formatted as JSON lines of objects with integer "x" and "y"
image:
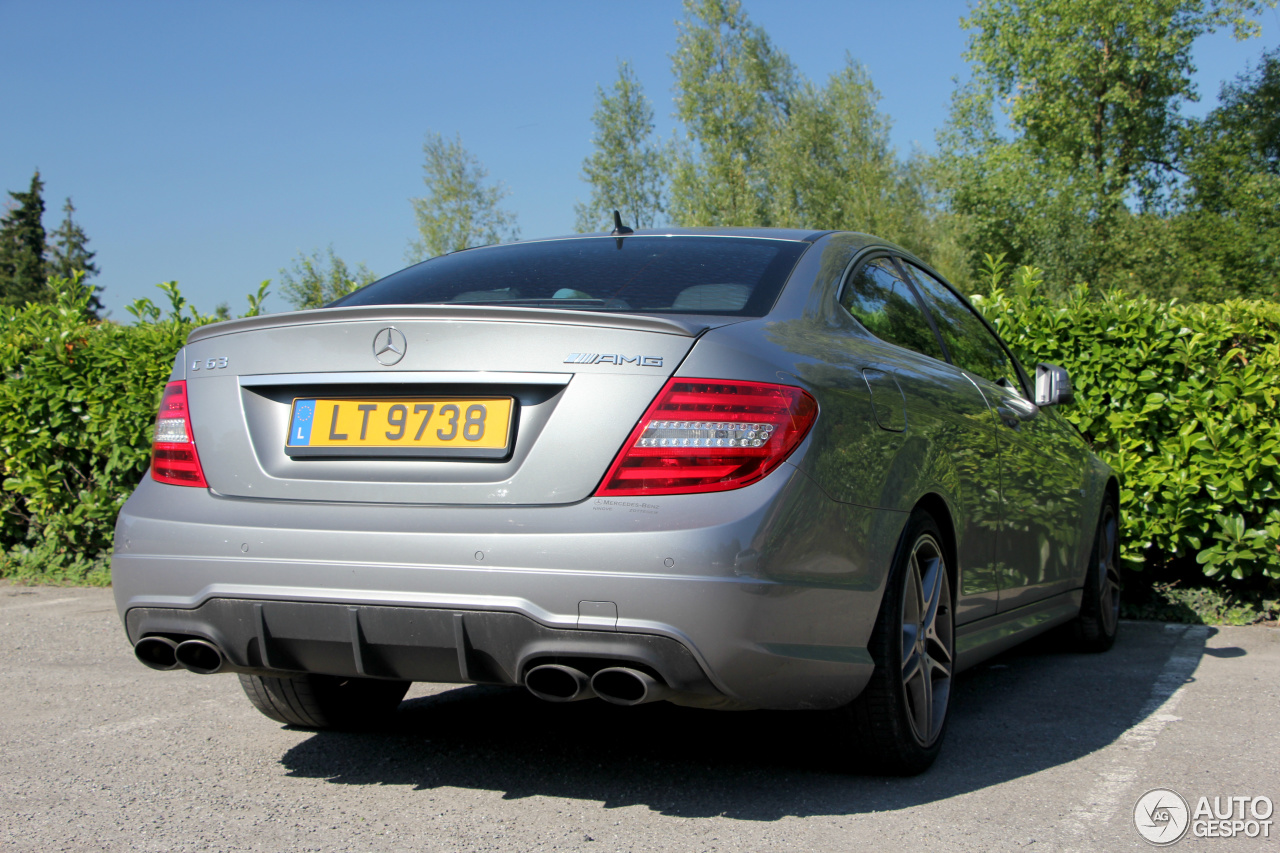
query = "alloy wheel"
{"x": 928, "y": 640}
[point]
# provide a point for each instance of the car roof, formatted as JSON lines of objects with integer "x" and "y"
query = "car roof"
{"x": 804, "y": 235}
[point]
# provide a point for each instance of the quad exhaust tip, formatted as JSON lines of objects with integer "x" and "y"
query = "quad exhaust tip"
{"x": 619, "y": 685}
{"x": 199, "y": 656}
{"x": 557, "y": 683}
{"x": 157, "y": 652}
{"x": 165, "y": 654}
{"x": 625, "y": 686}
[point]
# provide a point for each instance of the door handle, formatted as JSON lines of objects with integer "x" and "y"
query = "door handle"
{"x": 1008, "y": 417}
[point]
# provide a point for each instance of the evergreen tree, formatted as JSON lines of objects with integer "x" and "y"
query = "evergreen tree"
{"x": 22, "y": 247}
{"x": 627, "y": 170}
{"x": 68, "y": 251}
{"x": 316, "y": 280}
{"x": 460, "y": 209}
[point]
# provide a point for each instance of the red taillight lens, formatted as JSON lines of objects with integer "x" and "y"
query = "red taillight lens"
{"x": 707, "y": 435}
{"x": 173, "y": 451}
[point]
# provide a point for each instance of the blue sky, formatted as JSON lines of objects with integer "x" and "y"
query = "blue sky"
{"x": 212, "y": 142}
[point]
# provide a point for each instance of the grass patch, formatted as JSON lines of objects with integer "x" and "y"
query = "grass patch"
{"x": 1170, "y": 602}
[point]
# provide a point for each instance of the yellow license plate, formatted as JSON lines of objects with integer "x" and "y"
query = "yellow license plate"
{"x": 396, "y": 426}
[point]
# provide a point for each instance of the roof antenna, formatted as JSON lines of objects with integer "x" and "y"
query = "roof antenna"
{"x": 618, "y": 228}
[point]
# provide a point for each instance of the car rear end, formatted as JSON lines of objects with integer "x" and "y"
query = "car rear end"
{"x": 509, "y": 480}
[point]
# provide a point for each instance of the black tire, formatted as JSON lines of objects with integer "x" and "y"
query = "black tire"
{"x": 324, "y": 701}
{"x": 1095, "y": 627}
{"x": 896, "y": 725}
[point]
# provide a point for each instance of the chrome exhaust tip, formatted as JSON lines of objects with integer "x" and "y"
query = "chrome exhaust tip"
{"x": 199, "y": 656}
{"x": 553, "y": 682}
{"x": 624, "y": 686}
{"x": 157, "y": 653}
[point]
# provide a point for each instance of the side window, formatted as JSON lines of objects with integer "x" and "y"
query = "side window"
{"x": 880, "y": 300}
{"x": 972, "y": 345}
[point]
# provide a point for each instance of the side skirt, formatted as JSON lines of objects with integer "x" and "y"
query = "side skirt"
{"x": 977, "y": 641}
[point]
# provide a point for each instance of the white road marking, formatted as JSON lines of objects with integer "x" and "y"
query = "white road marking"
{"x": 1104, "y": 800}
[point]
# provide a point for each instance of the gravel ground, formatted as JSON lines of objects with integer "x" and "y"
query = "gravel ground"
{"x": 1047, "y": 750}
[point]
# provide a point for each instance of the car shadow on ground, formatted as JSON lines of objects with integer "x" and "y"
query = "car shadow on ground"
{"x": 1036, "y": 707}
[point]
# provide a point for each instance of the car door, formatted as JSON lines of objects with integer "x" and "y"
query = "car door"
{"x": 1040, "y": 472}
{"x": 947, "y": 433}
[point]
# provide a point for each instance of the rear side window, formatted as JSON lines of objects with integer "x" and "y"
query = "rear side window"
{"x": 972, "y": 345}
{"x": 660, "y": 274}
{"x": 879, "y": 299}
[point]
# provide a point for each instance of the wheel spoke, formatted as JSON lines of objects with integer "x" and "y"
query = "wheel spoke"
{"x": 924, "y": 714}
{"x": 938, "y": 653}
{"x": 911, "y": 667}
{"x": 919, "y": 694}
{"x": 1110, "y": 603}
{"x": 911, "y": 609}
{"x": 940, "y": 693}
{"x": 931, "y": 582}
{"x": 915, "y": 590}
{"x": 910, "y": 635}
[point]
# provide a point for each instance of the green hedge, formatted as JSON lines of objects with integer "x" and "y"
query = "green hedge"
{"x": 1181, "y": 401}
{"x": 77, "y": 410}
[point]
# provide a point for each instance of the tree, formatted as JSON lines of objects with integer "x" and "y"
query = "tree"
{"x": 833, "y": 165}
{"x": 1091, "y": 92}
{"x": 68, "y": 252}
{"x": 22, "y": 248}
{"x": 1231, "y": 220}
{"x": 315, "y": 280}
{"x": 764, "y": 146}
{"x": 627, "y": 169}
{"x": 459, "y": 210}
{"x": 734, "y": 92}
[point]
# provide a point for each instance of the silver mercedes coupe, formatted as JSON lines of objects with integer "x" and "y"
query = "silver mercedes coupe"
{"x": 726, "y": 468}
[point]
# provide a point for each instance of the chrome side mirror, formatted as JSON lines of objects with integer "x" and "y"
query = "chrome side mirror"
{"x": 1053, "y": 385}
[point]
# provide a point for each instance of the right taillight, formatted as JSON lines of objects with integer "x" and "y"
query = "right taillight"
{"x": 173, "y": 451}
{"x": 707, "y": 435}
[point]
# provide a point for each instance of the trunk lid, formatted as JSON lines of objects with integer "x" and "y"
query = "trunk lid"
{"x": 579, "y": 381}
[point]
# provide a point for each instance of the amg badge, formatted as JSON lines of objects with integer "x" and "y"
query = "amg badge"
{"x": 613, "y": 358}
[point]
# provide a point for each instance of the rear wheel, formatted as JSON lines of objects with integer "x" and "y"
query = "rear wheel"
{"x": 1095, "y": 627}
{"x": 898, "y": 721}
{"x": 324, "y": 701}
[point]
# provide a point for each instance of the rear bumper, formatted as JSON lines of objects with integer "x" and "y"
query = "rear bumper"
{"x": 764, "y": 595}
{"x": 411, "y": 643}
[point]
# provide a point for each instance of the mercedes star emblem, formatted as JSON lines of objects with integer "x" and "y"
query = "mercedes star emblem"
{"x": 389, "y": 346}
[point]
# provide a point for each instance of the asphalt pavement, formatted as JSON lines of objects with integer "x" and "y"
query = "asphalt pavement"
{"x": 1047, "y": 750}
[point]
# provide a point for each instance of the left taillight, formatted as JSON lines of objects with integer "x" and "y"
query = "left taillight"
{"x": 173, "y": 450}
{"x": 706, "y": 435}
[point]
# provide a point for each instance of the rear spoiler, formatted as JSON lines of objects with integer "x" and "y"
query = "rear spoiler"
{"x": 686, "y": 326}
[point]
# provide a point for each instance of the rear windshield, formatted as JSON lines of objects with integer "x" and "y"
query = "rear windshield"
{"x": 681, "y": 275}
